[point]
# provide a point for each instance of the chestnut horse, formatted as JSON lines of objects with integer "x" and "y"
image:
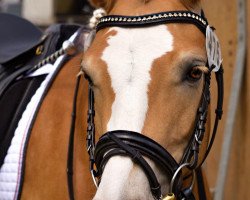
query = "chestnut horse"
{"x": 146, "y": 82}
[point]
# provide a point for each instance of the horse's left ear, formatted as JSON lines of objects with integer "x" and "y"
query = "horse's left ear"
{"x": 105, "y": 4}
{"x": 194, "y": 5}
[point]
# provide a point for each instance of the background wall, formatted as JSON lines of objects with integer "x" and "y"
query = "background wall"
{"x": 223, "y": 15}
{"x": 46, "y": 12}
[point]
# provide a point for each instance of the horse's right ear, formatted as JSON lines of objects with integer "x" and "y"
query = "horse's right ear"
{"x": 105, "y": 4}
{"x": 97, "y": 3}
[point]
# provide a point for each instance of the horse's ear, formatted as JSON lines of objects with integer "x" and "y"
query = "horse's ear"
{"x": 97, "y": 3}
{"x": 194, "y": 5}
{"x": 105, "y": 4}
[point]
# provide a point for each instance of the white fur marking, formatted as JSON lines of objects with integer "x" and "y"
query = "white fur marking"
{"x": 129, "y": 57}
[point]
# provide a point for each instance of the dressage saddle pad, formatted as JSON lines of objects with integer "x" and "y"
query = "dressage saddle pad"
{"x": 22, "y": 46}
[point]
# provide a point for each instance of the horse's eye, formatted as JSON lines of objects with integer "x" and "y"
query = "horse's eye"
{"x": 194, "y": 74}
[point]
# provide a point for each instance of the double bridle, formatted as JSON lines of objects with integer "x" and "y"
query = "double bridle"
{"x": 136, "y": 145}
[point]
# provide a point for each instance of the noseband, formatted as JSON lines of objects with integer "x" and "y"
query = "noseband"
{"x": 136, "y": 145}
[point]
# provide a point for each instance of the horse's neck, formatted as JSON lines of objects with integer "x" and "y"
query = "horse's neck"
{"x": 46, "y": 161}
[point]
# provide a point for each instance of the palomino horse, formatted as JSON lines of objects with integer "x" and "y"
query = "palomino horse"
{"x": 148, "y": 73}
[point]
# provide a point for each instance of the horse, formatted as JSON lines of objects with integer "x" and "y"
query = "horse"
{"x": 145, "y": 98}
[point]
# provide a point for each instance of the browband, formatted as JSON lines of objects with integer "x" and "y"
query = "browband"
{"x": 153, "y": 19}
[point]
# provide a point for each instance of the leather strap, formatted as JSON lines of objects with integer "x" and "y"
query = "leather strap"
{"x": 218, "y": 111}
{"x": 137, "y": 157}
{"x": 135, "y": 145}
{"x": 201, "y": 186}
{"x": 192, "y": 151}
{"x": 70, "y": 160}
{"x": 153, "y": 19}
{"x": 79, "y": 40}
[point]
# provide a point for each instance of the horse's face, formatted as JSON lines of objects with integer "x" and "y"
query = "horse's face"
{"x": 147, "y": 80}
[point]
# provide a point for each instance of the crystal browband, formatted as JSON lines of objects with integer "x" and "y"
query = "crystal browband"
{"x": 153, "y": 19}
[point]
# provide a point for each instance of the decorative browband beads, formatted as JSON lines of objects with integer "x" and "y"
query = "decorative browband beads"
{"x": 151, "y": 17}
{"x": 164, "y": 17}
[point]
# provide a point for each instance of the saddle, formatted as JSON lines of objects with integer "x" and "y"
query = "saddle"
{"x": 23, "y": 45}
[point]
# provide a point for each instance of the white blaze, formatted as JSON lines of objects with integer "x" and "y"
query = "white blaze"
{"x": 129, "y": 57}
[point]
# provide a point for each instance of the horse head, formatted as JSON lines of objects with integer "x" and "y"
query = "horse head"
{"x": 148, "y": 86}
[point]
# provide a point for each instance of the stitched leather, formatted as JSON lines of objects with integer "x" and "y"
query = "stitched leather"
{"x": 140, "y": 144}
{"x": 152, "y": 22}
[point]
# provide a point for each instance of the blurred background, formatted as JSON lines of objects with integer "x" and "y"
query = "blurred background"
{"x": 46, "y": 12}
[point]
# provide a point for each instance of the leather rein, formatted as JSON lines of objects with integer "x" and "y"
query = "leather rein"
{"x": 136, "y": 145}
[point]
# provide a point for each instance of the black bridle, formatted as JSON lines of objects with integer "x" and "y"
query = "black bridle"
{"x": 136, "y": 145}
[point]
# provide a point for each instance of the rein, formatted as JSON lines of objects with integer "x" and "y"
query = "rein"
{"x": 136, "y": 145}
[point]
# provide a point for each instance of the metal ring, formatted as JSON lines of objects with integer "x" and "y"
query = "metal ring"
{"x": 175, "y": 175}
